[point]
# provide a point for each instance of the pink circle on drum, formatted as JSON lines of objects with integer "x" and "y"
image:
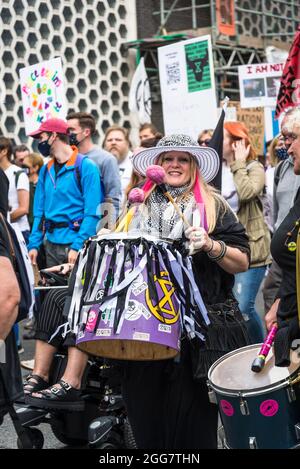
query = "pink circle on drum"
{"x": 269, "y": 408}
{"x": 227, "y": 408}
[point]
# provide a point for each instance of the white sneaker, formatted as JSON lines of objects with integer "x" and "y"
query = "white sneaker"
{"x": 27, "y": 364}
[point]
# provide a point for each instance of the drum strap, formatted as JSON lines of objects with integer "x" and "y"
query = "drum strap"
{"x": 120, "y": 301}
{"x": 298, "y": 274}
{"x": 73, "y": 316}
{"x": 107, "y": 302}
{"x": 88, "y": 270}
{"x": 98, "y": 279}
{"x": 96, "y": 267}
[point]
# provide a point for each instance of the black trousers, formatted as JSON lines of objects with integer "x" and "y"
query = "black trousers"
{"x": 167, "y": 409}
{"x": 51, "y": 317}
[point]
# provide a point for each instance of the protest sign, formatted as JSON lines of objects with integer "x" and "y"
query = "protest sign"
{"x": 43, "y": 93}
{"x": 188, "y": 86}
{"x": 259, "y": 84}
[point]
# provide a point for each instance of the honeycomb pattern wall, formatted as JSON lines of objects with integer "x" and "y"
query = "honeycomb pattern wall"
{"x": 88, "y": 35}
{"x": 274, "y": 18}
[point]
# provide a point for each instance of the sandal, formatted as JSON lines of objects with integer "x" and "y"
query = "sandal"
{"x": 34, "y": 383}
{"x": 66, "y": 397}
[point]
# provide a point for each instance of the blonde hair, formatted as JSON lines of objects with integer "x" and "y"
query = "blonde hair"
{"x": 274, "y": 160}
{"x": 36, "y": 160}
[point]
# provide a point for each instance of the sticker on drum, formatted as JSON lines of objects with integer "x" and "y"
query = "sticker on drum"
{"x": 227, "y": 408}
{"x": 139, "y": 285}
{"x": 165, "y": 328}
{"x": 91, "y": 322}
{"x": 106, "y": 315}
{"x": 144, "y": 311}
{"x": 134, "y": 311}
{"x": 141, "y": 336}
{"x": 103, "y": 332}
{"x": 269, "y": 408}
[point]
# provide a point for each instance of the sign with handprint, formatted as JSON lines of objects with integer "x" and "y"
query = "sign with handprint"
{"x": 43, "y": 93}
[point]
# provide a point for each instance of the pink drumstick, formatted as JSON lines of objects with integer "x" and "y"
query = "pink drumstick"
{"x": 136, "y": 196}
{"x": 157, "y": 175}
{"x": 260, "y": 360}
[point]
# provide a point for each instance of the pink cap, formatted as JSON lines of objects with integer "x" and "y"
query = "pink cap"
{"x": 51, "y": 125}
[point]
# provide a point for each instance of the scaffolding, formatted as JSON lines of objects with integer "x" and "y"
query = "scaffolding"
{"x": 259, "y": 23}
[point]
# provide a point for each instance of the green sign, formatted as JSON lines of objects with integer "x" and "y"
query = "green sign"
{"x": 197, "y": 66}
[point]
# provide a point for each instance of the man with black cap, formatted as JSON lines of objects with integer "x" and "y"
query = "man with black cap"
{"x": 67, "y": 197}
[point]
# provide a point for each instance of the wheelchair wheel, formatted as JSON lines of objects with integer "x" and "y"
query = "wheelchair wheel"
{"x": 113, "y": 441}
{"x": 58, "y": 432}
{"x": 36, "y": 437}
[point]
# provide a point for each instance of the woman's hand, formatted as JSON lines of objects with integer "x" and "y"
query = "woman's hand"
{"x": 62, "y": 269}
{"x": 103, "y": 231}
{"x": 199, "y": 239}
{"x": 241, "y": 152}
{"x": 271, "y": 316}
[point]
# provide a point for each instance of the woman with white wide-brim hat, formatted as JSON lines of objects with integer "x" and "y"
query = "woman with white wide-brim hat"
{"x": 167, "y": 407}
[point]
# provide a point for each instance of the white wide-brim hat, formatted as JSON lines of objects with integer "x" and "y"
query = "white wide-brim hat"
{"x": 206, "y": 158}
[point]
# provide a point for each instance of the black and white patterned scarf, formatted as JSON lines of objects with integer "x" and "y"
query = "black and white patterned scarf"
{"x": 159, "y": 217}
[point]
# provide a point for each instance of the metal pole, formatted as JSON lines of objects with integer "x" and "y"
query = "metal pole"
{"x": 194, "y": 16}
{"x": 162, "y": 13}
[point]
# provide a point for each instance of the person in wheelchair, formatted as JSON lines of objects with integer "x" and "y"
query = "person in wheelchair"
{"x": 64, "y": 394}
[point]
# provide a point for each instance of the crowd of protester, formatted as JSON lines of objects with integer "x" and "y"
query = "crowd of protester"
{"x": 56, "y": 196}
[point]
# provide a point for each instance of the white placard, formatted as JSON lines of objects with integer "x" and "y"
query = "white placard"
{"x": 43, "y": 93}
{"x": 188, "y": 86}
{"x": 259, "y": 84}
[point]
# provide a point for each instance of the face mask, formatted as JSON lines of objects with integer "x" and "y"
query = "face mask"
{"x": 73, "y": 140}
{"x": 44, "y": 148}
{"x": 281, "y": 153}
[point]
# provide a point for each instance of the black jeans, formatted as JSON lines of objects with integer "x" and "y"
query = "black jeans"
{"x": 167, "y": 409}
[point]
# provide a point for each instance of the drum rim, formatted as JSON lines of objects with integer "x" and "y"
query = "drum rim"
{"x": 134, "y": 234}
{"x": 246, "y": 392}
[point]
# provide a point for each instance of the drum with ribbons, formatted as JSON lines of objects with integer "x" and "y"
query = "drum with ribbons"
{"x": 134, "y": 297}
{"x": 258, "y": 410}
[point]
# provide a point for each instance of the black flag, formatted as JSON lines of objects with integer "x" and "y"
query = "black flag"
{"x": 216, "y": 143}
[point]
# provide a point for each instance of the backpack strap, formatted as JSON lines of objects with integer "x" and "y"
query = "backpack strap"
{"x": 17, "y": 175}
{"x": 77, "y": 169}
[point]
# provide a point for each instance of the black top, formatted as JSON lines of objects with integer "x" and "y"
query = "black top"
{"x": 4, "y": 185}
{"x": 58, "y": 166}
{"x": 286, "y": 259}
{"x": 10, "y": 371}
{"x": 213, "y": 282}
{"x": 287, "y": 314}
